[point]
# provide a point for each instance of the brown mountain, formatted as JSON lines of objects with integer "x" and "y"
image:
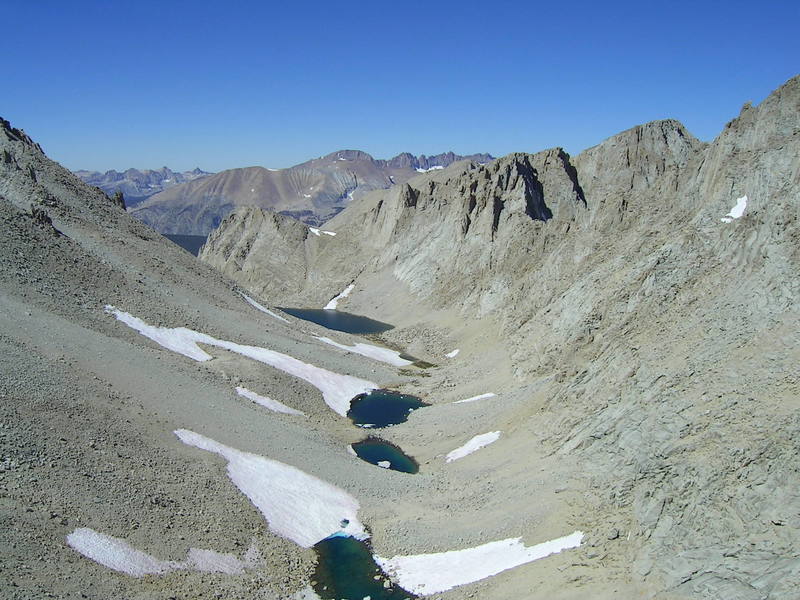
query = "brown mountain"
{"x": 312, "y": 192}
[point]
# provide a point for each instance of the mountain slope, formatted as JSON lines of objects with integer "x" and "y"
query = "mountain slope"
{"x": 313, "y": 191}
{"x": 89, "y": 406}
{"x": 652, "y": 325}
{"x": 108, "y": 491}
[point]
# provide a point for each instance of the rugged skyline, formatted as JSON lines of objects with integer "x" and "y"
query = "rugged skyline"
{"x": 195, "y": 85}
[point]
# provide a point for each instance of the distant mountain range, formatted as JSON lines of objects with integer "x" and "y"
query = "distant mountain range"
{"x": 137, "y": 186}
{"x": 312, "y": 192}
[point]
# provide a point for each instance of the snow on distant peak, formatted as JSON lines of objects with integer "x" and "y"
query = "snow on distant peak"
{"x": 476, "y": 443}
{"x": 297, "y": 506}
{"x": 427, "y": 574}
{"x": 434, "y": 168}
{"x": 737, "y": 211}
{"x": 334, "y": 302}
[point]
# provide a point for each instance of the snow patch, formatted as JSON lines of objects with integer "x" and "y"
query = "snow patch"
{"x": 297, "y": 506}
{"x": 306, "y": 195}
{"x": 316, "y": 231}
{"x": 476, "y": 443}
{"x": 337, "y": 390}
{"x": 427, "y": 574}
{"x": 737, "y": 211}
{"x": 474, "y": 398}
{"x": 335, "y": 301}
{"x": 453, "y": 354}
{"x": 263, "y": 309}
{"x": 435, "y": 168}
{"x": 384, "y": 464}
{"x": 118, "y": 555}
{"x": 382, "y": 354}
{"x": 268, "y": 403}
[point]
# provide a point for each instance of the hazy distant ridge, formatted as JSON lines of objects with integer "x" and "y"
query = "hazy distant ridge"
{"x": 137, "y": 185}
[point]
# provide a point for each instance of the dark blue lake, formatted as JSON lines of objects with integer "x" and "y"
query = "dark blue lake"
{"x": 380, "y": 452}
{"x": 346, "y": 569}
{"x": 382, "y": 408}
{"x": 190, "y": 243}
{"x": 339, "y": 320}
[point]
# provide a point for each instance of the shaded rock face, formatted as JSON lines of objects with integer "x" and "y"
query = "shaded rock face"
{"x": 137, "y": 186}
{"x": 311, "y": 192}
{"x": 668, "y": 337}
{"x": 251, "y": 242}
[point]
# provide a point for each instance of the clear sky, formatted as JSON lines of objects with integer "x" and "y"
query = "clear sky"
{"x": 118, "y": 84}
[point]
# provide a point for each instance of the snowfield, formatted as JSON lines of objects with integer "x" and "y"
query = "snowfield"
{"x": 263, "y": 309}
{"x": 476, "y": 443}
{"x": 120, "y": 556}
{"x": 737, "y": 211}
{"x": 297, "y": 506}
{"x": 317, "y": 231}
{"x": 335, "y": 301}
{"x": 474, "y": 398}
{"x": 268, "y": 403}
{"x": 386, "y": 355}
{"x": 337, "y": 390}
{"x": 427, "y": 574}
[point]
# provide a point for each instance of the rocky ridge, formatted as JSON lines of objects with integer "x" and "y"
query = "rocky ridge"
{"x": 659, "y": 334}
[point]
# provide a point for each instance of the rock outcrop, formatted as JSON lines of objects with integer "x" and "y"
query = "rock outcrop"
{"x": 251, "y": 242}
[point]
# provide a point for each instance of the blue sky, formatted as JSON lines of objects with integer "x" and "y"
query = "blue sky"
{"x": 104, "y": 85}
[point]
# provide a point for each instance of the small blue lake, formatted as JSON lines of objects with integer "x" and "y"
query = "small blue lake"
{"x": 346, "y": 569}
{"x": 383, "y": 454}
{"x": 339, "y": 320}
{"x": 382, "y": 408}
{"x": 190, "y": 243}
